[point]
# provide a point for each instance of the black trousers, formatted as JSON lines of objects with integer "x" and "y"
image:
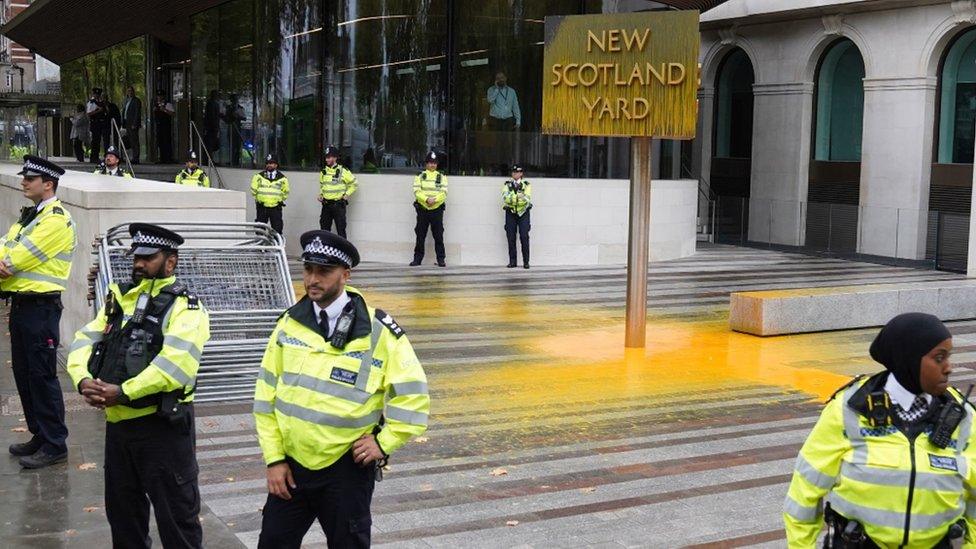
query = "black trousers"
{"x": 34, "y": 346}
{"x": 271, "y": 216}
{"x": 521, "y": 225}
{"x": 333, "y": 211}
{"x": 99, "y": 142}
{"x": 79, "y": 148}
{"x": 148, "y": 459}
{"x": 339, "y": 496}
{"x": 434, "y": 219}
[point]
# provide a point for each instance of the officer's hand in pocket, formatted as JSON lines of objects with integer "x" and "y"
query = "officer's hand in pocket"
{"x": 279, "y": 480}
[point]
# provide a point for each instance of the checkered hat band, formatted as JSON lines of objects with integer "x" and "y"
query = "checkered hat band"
{"x": 153, "y": 241}
{"x": 316, "y": 247}
{"x": 37, "y": 168}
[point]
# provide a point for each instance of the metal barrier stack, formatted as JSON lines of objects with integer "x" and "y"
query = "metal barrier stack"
{"x": 240, "y": 273}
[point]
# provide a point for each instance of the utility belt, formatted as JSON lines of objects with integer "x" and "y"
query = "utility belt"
{"x": 24, "y": 298}
{"x": 843, "y": 533}
{"x": 335, "y": 201}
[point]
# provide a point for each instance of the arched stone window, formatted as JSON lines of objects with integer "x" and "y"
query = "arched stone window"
{"x": 957, "y": 117}
{"x": 840, "y": 104}
{"x": 733, "y": 124}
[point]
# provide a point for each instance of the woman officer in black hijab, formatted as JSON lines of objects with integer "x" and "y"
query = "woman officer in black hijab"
{"x": 872, "y": 470}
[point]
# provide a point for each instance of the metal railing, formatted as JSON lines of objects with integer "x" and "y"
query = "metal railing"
{"x": 117, "y": 133}
{"x": 239, "y": 272}
{"x": 211, "y": 168}
{"x": 940, "y": 237}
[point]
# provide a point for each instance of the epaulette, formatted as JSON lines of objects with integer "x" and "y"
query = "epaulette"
{"x": 58, "y": 210}
{"x": 391, "y": 324}
{"x": 857, "y": 378}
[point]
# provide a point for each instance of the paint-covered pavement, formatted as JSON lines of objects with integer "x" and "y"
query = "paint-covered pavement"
{"x": 544, "y": 432}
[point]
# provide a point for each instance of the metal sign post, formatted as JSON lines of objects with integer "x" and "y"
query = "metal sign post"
{"x": 638, "y": 240}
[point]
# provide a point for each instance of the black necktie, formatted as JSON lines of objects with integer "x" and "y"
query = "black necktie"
{"x": 324, "y": 323}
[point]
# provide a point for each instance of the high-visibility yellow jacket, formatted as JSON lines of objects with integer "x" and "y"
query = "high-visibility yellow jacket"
{"x": 39, "y": 251}
{"x": 186, "y": 329}
{"x": 103, "y": 170}
{"x": 312, "y": 400}
{"x": 336, "y": 182}
{"x": 904, "y": 492}
{"x": 430, "y": 184}
{"x": 269, "y": 192}
{"x": 515, "y": 203}
{"x": 196, "y": 178}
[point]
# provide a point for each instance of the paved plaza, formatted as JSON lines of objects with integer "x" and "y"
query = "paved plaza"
{"x": 544, "y": 432}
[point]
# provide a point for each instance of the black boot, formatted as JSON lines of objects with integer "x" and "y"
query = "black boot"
{"x": 26, "y": 448}
{"x": 42, "y": 459}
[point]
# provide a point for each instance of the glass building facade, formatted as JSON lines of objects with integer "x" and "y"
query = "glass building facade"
{"x": 383, "y": 80}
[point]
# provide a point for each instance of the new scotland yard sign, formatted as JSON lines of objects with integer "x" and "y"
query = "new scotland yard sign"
{"x": 630, "y": 75}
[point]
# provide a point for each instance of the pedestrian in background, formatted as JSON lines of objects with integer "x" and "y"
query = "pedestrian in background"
{"x": 79, "y": 132}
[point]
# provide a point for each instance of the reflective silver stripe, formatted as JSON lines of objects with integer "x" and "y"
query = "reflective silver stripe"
{"x": 38, "y": 277}
{"x": 406, "y": 416}
{"x": 971, "y": 509}
{"x": 894, "y": 477}
{"x": 34, "y": 250}
{"x": 268, "y": 377}
{"x": 93, "y": 335}
{"x": 852, "y": 426}
{"x": 322, "y": 418}
{"x": 262, "y": 407}
{"x": 181, "y": 344}
{"x": 812, "y": 475}
{"x": 893, "y": 519}
{"x": 64, "y": 256}
{"x": 362, "y": 380}
{"x": 800, "y": 512}
{"x": 965, "y": 430}
{"x": 410, "y": 388}
{"x": 325, "y": 387}
{"x": 80, "y": 344}
{"x": 293, "y": 341}
{"x": 172, "y": 370}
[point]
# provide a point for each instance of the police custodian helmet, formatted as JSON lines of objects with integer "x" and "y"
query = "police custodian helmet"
{"x": 326, "y": 248}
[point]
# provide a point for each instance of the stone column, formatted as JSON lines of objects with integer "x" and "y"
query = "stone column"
{"x": 780, "y": 161}
{"x": 896, "y": 165}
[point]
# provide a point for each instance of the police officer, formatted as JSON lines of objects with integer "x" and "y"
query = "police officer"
{"x": 192, "y": 174}
{"x": 99, "y": 123}
{"x": 892, "y": 453}
{"x": 138, "y": 361}
{"x": 340, "y": 389}
{"x": 336, "y": 185}
{"x": 430, "y": 192}
{"x": 270, "y": 190}
{"x": 517, "y": 195}
{"x": 35, "y": 261}
{"x": 110, "y": 165}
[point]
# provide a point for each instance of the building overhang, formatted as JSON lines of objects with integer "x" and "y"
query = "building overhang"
{"x": 64, "y": 30}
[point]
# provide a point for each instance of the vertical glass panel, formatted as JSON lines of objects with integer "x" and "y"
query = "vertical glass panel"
{"x": 288, "y": 74}
{"x": 733, "y": 124}
{"x": 385, "y": 87}
{"x": 958, "y": 101}
{"x": 840, "y": 104}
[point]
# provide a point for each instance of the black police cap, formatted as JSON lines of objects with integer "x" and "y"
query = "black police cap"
{"x": 36, "y": 166}
{"x": 270, "y": 159}
{"x": 148, "y": 239}
{"x": 432, "y": 157}
{"x": 517, "y": 168}
{"x": 113, "y": 151}
{"x": 192, "y": 155}
{"x": 327, "y": 248}
{"x": 332, "y": 151}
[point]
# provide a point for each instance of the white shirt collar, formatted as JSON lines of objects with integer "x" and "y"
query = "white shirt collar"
{"x": 42, "y": 203}
{"x": 333, "y": 310}
{"x": 271, "y": 175}
{"x": 900, "y": 395}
